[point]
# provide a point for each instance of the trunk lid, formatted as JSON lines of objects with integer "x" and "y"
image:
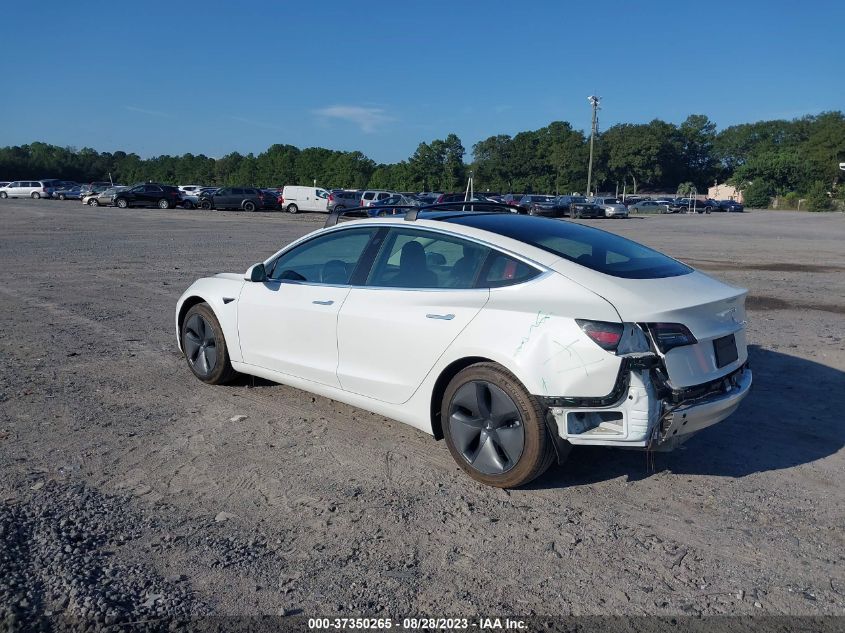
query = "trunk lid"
{"x": 712, "y": 310}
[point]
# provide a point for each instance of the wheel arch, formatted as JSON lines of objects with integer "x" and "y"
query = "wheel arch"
{"x": 443, "y": 380}
{"x": 187, "y": 304}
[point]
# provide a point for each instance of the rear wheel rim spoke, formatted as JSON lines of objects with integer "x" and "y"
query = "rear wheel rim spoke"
{"x": 486, "y": 427}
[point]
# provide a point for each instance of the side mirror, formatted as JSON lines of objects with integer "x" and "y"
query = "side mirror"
{"x": 256, "y": 272}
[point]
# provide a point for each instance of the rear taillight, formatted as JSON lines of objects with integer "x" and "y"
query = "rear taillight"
{"x": 670, "y": 335}
{"x": 603, "y": 333}
{"x": 331, "y": 197}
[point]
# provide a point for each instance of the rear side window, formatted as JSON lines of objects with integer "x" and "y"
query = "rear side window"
{"x": 503, "y": 270}
{"x": 369, "y": 195}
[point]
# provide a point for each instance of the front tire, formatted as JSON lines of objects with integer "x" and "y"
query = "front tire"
{"x": 494, "y": 428}
{"x": 292, "y": 208}
{"x": 62, "y": 196}
{"x": 4, "y": 195}
{"x": 93, "y": 202}
{"x": 188, "y": 205}
{"x": 204, "y": 346}
{"x": 121, "y": 203}
{"x": 205, "y": 204}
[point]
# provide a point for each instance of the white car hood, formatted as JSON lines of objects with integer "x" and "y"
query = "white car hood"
{"x": 232, "y": 276}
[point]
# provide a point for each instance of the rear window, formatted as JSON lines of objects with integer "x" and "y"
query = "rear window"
{"x": 611, "y": 201}
{"x": 592, "y": 248}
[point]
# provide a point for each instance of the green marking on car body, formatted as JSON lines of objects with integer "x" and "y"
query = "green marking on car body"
{"x": 538, "y": 321}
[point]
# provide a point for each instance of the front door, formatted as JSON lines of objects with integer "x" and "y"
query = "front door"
{"x": 288, "y": 324}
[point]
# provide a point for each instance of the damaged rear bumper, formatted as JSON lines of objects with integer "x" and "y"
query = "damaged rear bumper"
{"x": 644, "y": 411}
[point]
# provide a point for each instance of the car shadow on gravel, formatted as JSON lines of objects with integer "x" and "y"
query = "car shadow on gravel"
{"x": 793, "y": 416}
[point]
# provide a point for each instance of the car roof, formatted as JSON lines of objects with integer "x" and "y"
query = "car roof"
{"x": 487, "y": 227}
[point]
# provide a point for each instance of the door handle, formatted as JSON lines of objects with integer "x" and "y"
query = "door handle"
{"x": 442, "y": 317}
{"x": 323, "y": 303}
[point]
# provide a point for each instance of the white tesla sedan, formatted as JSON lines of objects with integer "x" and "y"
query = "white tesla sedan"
{"x": 512, "y": 337}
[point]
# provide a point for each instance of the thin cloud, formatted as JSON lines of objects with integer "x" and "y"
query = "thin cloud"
{"x": 368, "y": 119}
{"x": 145, "y": 111}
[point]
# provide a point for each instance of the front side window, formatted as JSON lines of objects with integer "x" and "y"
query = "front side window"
{"x": 424, "y": 259}
{"x": 328, "y": 259}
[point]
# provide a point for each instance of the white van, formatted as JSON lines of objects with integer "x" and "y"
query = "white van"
{"x": 295, "y": 199}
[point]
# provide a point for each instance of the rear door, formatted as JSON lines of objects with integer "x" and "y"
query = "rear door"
{"x": 418, "y": 297}
{"x": 152, "y": 194}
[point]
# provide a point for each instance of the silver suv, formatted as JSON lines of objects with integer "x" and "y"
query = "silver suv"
{"x": 27, "y": 189}
{"x": 612, "y": 207}
{"x": 368, "y": 197}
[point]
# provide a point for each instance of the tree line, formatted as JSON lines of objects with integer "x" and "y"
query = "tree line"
{"x": 768, "y": 158}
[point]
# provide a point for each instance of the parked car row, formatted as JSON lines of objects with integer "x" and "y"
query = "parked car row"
{"x": 293, "y": 199}
{"x": 681, "y": 205}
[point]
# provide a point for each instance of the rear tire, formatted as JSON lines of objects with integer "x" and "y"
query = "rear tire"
{"x": 249, "y": 206}
{"x": 188, "y": 205}
{"x": 494, "y": 428}
{"x": 163, "y": 204}
{"x": 292, "y": 208}
{"x": 62, "y": 196}
{"x": 35, "y": 195}
{"x": 205, "y": 347}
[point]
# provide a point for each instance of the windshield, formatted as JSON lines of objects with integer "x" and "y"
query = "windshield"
{"x": 595, "y": 249}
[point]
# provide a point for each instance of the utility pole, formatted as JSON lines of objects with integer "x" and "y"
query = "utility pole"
{"x": 594, "y": 102}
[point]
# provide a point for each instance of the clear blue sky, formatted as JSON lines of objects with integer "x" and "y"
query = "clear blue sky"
{"x": 214, "y": 77}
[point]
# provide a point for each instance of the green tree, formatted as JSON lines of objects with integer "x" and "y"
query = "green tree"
{"x": 758, "y": 194}
{"x": 686, "y": 188}
{"x": 817, "y": 198}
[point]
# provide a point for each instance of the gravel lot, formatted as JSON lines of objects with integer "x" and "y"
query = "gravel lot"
{"x": 130, "y": 490}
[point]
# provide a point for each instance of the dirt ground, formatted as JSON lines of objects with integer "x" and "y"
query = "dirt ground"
{"x": 116, "y": 462}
